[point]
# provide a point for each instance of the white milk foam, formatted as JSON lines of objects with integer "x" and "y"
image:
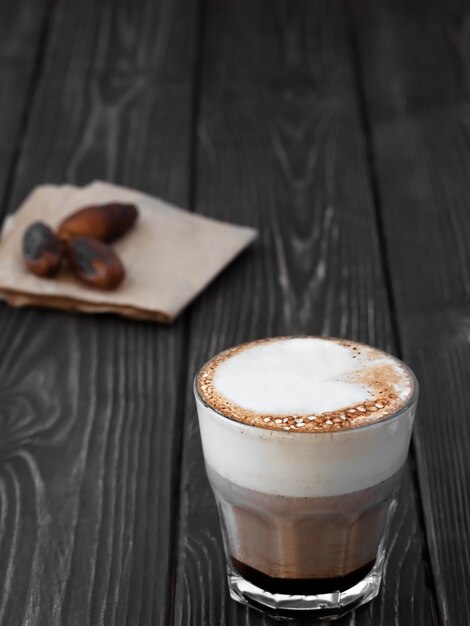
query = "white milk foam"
{"x": 299, "y": 376}
{"x": 303, "y": 376}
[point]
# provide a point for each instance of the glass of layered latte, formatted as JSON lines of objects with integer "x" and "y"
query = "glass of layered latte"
{"x": 304, "y": 441}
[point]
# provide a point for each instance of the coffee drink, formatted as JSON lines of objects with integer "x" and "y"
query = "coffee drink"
{"x": 310, "y": 545}
{"x": 304, "y": 440}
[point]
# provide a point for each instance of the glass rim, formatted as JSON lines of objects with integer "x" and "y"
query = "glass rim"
{"x": 393, "y": 416}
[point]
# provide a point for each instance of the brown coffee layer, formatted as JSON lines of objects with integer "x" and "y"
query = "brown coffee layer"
{"x": 325, "y": 538}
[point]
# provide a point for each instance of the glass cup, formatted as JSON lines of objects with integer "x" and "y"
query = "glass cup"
{"x": 295, "y": 546}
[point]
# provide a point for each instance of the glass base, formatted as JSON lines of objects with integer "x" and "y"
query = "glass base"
{"x": 328, "y": 605}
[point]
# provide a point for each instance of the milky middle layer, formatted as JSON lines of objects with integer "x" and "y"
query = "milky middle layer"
{"x": 321, "y": 449}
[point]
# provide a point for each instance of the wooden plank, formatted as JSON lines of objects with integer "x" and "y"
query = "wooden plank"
{"x": 281, "y": 149}
{"x": 23, "y": 26}
{"x": 90, "y": 409}
{"x": 415, "y": 60}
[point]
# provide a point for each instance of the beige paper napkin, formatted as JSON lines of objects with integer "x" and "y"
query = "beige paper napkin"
{"x": 170, "y": 256}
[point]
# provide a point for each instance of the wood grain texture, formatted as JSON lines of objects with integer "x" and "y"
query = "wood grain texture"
{"x": 23, "y": 28}
{"x": 281, "y": 149}
{"x": 415, "y": 59}
{"x": 89, "y": 404}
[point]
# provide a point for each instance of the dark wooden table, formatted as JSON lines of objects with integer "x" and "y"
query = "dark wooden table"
{"x": 340, "y": 130}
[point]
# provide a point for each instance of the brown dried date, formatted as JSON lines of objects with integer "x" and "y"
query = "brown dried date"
{"x": 105, "y": 222}
{"x": 95, "y": 263}
{"x": 42, "y": 250}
